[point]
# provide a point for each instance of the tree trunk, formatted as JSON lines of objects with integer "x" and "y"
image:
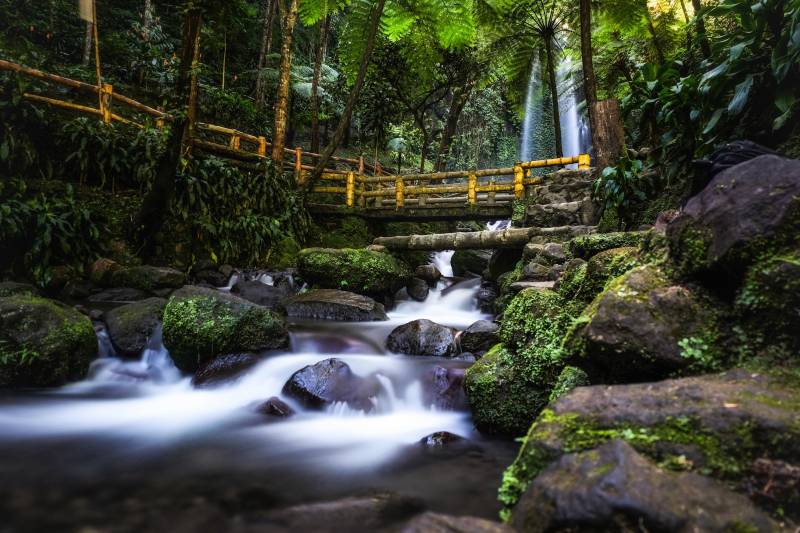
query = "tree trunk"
{"x": 318, "y": 60}
{"x": 460, "y": 98}
{"x": 701, "y": 29}
{"x": 551, "y": 74}
{"x": 87, "y": 44}
{"x": 224, "y": 58}
{"x": 344, "y": 122}
{"x": 610, "y": 133}
{"x": 425, "y": 141}
{"x": 587, "y": 61}
{"x": 653, "y": 36}
{"x": 147, "y": 20}
{"x": 282, "y": 100}
{"x": 270, "y": 7}
{"x": 156, "y": 204}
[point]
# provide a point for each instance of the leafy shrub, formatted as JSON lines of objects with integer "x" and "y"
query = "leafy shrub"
{"x": 623, "y": 187}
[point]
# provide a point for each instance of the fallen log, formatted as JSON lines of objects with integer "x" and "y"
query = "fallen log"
{"x": 480, "y": 240}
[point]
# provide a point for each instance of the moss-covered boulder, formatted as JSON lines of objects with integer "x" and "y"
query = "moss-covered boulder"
{"x": 585, "y": 246}
{"x": 769, "y": 300}
{"x": 11, "y": 288}
{"x": 200, "y": 324}
{"x": 42, "y": 342}
{"x": 509, "y": 385}
{"x": 743, "y": 213}
{"x": 465, "y": 262}
{"x": 131, "y": 326}
{"x": 584, "y": 281}
{"x": 644, "y": 327}
{"x": 717, "y": 425}
{"x": 614, "y": 488}
{"x": 375, "y": 274}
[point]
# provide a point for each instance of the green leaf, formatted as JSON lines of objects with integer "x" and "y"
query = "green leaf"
{"x": 740, "y": 96}
{"x": 712, "y": 123}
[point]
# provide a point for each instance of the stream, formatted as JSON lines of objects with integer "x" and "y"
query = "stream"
{"x": 139, "y": 431}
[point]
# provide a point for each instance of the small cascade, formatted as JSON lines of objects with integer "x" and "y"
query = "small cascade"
{"x": 442, "y": 262}
{"x": 231, "y": 282}
{"x": 572, "y": 127}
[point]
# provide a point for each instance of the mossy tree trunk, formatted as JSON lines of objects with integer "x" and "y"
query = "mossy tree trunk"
{"x": 318, "y": 61}
{"x": 282, "y": 99}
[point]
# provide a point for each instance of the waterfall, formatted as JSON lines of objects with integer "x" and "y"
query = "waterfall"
{"x": 533, "y": 114}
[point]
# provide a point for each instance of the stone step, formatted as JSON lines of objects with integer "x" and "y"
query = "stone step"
{"x": 581, "y": 212}
{"x": 520, "y": 286}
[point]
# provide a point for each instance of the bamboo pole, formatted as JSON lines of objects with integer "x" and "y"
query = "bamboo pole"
{"x": 350, "y": 190}
{"x": 472, "y": 193}
{"x": 399, "y": 193}
{"x": 519, "y": 177}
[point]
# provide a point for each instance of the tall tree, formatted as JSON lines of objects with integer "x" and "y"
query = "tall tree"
{"x": 587, "y": 62}
{"x": 318, "y": 61}
{"x": 700, "y": 24}
{"x": 270, "y": 7}
{"x": 344, "y": 121}
{"x": 289, "y": 13}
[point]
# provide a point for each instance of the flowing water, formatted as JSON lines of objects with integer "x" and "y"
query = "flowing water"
{"x": 132, "y": 426}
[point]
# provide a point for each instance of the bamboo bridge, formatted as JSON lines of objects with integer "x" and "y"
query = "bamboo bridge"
{"x": 353, "y": 186}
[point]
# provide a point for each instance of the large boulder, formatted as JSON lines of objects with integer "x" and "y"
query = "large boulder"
{"x": 148, "y": 278}
{"x": 200, "y": 324}
{"x": 330, "y": 304}
{"x": 11, "y": 288}
{"x": 718, "y": 424}
{"x": 466, "y": 262}
{"x": 118, "y": 295}
{"x": 224, "y": 369}
{"x": 42, "y": 342}
{"x": 261, "y": 294}
{"x": 615, "y": 488}
{"x": 743, "y": 212}
{"x": 440, "y": 523}
{"x": 374, "y": 274}
{"x": 331, "y": 381}
{"x": 423, "y": 337}
{"x": 511, "y": 384}
{"x": 639, "y": 327}
{"x": 479, "y": 337}
{"x": 131, "y": 326}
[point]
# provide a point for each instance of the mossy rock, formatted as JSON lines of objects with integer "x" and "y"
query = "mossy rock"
{"x": 501, "y": 398}
{"x": 586, "y": 246}
{"x": 569, "y": 378}
{"x": 131, "y": 326}
{"x": 284, "y": 253}
{"x": 744, "y": 214}
{"x": 200, "y": 324}
{"x": 511, "y": 384}
{"x": 643, "y": 326}
{"x": 349, "y": 232}
{"x": 12, "y": 288}
{"x": 769, "y": 299}
{"x": 42, "y": 342}
{"x": 148, "y": 278}
{"x": 715, "y": 425}
{"x": 470, "y": 261}
{"x": 375, "y": 274}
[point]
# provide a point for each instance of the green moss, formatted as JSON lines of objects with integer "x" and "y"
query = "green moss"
{"x": 726, "y": 455}
{"x": 350, "y": 232}
{"x": 196, "y": 329}
{"x": 284, "y": 253}
{"x": 569, "y": 378}
{"x": 362, "y": 271}
{"x": 585, "y": 246}
{"x": 584, "y": 281}
{"x": 572, "y": 280}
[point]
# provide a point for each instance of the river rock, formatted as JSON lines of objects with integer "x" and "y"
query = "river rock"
{"x": 261, "y": 294}
{"x": 374, "y": 274}
{"x": 148, "y": 278}
{"x": 534, "y": 271}
{"x": 418, "y": 289}
{"x": 586, "y": 246}
{"x": 212, "y": 277}
{"x": 480, "y": 336}
{"x": 131, "y": 326}
{"x": 632, "y": 331}
{"x": 742, "y": 213}
{"x": 716, "y": 424}
{"x": 428, "y": 273}
{"x": 470, "y": 262}
{"x": 331, "y": 381}
{"x": 223, "y": 369}
{"x": 486, "y": 296}
{"x": 201, "y": 323}
{"x": 440, "y": 523}
{"x": 423, "y": 337}
{"x": 443, "y": 388}
{"x": 329, "y": 304}
{"x": 43, "y": 342}
{"x": 615, "y": 488}
{"x": 275, "y": 408}
{"x": 119, "y": 295}
{"x": 502, "y": 261}
{"x": 102, "y": 271}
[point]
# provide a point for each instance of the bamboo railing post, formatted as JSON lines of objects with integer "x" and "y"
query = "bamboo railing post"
{"x": 519, "y": 178}
{"x": 584, "y": 162}
{"x": 106, "y": 90}
{"x": 400, "y": 196}
{"x": 362, "y": 186}
{"x": 236, "y": 142}
{"x": 351, "y": 189}
{"x": 298, "y": 164}
{"x": 472, "y": 193}
{"x": 262, "y": 146}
